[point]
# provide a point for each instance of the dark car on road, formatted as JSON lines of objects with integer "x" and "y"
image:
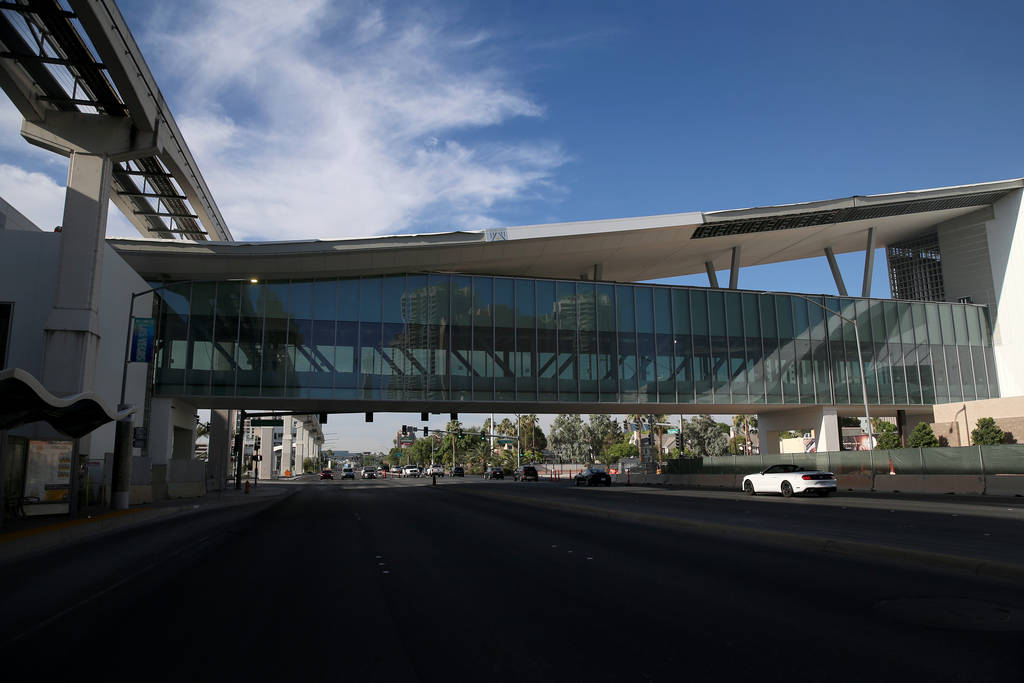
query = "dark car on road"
{"x": 458, "y": 472}
{"x": 592, "y": 477}
{"x": 494, "y": 473}
{"x": 327, "y": 474}
{"x": 526, "y": 473}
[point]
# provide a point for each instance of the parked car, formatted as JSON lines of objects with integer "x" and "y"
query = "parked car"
{"x": 494, "y": 473}
{"x": 411, "y": 471}
{"x": 789, "y": 479}
{"x": 592, "y": 477}
{"x": 369, "y": 473}
{"x": 526, "y": 473}
{"x": 327, "y": 474}
{"x": 458, "y": 472}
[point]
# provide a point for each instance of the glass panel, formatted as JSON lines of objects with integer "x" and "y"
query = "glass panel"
{"x": 770, "y": 344}
{"x": 956, "y": 389}
{"x": 346, "y": 350}
{"x": 299, "y": 349}
{"x": 702, "y": 367}
{"x": 960, "y": 325}
{"x": 980, "y": 383}
{"x": 526, "y": 339}
{"x": 683, "y": 345}
{"x": 565, "y": 294}
{"x": 200, "y": 338}
{"x": 754, "y": 356}
{"x": 439, "y": 320}
{"x": 736, "y": 347}
{"x": 250, "y": 340}
{"x": 483, "y": 338}
{"x": 664, "y": 345}
{"x": 607, "y": 344}
{"x": 461, "y": 338}
{"x": 627, "y": 344}
{"x": 225, "y": 338}
{"x": 504, "y": 339}
{"x": 275, "y": 339}
{"x": 547, "y": 343}
{"x": 417, "y": 339}
{"x": 967, "y": 372}
{"x": 371, "y": 362}
{"x": 172, "y": 324}
{"x": 648, "y": 391}
{"x": 973, "y": 325}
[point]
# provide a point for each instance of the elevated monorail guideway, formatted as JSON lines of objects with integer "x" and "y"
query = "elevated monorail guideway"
{"x": 77, "y": 76}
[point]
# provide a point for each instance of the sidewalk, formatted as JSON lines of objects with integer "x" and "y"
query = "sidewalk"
{"x": 20, "y": 538}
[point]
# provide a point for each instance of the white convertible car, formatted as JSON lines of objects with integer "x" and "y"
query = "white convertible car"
{"x": 789, "y": 479}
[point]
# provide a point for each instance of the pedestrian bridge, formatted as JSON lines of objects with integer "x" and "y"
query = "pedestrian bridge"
{"x": 447, "y": 342}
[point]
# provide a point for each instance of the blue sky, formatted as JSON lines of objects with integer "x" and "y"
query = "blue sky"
{"x": 333, "y": 119}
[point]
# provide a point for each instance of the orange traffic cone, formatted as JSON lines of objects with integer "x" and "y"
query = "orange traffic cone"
{"x": 892, "y": 470}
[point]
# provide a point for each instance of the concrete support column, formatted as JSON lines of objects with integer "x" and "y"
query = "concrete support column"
{"x": 286, "y": 447}
{"x": 220, "y": 448}
{"x": 266, "y": 465}
{"x": 869, "y": 264}
{"x": 71, "y": 337}
{"x": 712, "y": 275}
{"x": 837, "y": 275}
{"x": 827, "y": 433}
{"x": 734, "y": 268}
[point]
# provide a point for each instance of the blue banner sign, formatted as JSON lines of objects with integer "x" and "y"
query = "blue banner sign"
{"x": 142, "y": 340}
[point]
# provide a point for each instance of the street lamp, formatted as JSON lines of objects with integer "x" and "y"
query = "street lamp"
{"x": 860, "y": 357}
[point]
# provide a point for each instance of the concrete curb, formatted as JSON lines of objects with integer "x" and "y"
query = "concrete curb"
{"x": 967, "y": 565}
{"x": 19, "y": 545}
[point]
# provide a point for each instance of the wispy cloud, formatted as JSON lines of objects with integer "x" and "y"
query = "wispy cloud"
{"x": 322, "y": 119}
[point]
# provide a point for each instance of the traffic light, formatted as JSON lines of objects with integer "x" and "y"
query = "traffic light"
{"x": 679, "y": 442}
{"x": 483, "y": 435}
{"x": 461, "y": 435}
{"x": 323, "y": 418}
{"x": 256, "y": 447}
{"x": 405, "y": 430}
{"x": 426, "y": 431}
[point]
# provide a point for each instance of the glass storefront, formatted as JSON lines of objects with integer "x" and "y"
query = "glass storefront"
{"x": 470, "y": 338}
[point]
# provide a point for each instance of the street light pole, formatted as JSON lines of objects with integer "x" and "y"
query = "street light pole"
{"x": 860, "y": 357}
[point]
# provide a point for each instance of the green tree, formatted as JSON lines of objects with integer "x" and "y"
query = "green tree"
{"x": 736, "y": 445}
{"x": 531, "y": 434}
{"x": 601, "y": 432}
{"x": 886, "y": 434}
{"x": 849, "y": 422}
{"x": 309, "y": 465}
{"x": 568, "y": 438}
{"x": 987, "y": 433}
{"x": 922, "y": 437}
{"x": 704, "y": 437}
{"x": 618, "y": 452}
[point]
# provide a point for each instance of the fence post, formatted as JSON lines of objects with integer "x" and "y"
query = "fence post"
{"x": 984, "y": 478}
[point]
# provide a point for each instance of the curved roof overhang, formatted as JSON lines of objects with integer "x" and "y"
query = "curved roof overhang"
{"x": 24, "y": 400}
{"x": 625, "y": 250}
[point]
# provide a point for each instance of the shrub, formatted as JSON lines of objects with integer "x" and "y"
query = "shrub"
{"x": 923, "y": 437}
{"x": 987, "y": 433}
{"x": 886, "y": 435}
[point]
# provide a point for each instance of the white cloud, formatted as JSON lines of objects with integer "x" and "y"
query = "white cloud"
{"x": 316, "y": 119}
{"x": 35, "y": 195}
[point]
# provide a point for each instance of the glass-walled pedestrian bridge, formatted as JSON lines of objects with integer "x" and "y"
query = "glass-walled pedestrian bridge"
{"x": 449, "y": 342}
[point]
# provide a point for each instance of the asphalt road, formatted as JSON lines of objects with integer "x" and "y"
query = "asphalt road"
{"x": 399, "y": 580}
